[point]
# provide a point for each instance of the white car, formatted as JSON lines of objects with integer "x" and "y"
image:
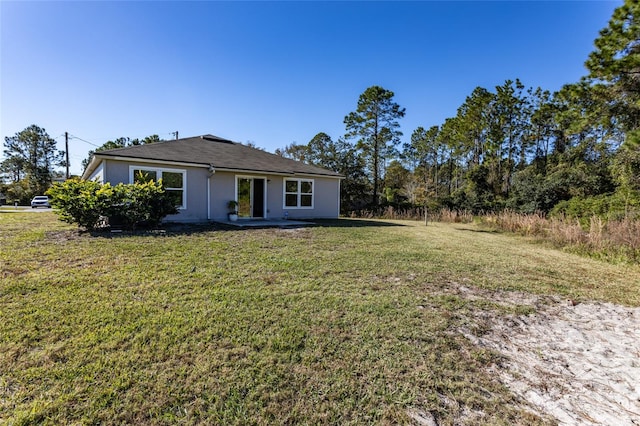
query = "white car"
{"x": 40, "y": 201}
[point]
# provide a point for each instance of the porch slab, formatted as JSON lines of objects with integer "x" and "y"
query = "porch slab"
{"x": 265, "y": 223}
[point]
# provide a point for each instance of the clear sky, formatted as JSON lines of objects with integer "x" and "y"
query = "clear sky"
{"x": 271, "y": 73}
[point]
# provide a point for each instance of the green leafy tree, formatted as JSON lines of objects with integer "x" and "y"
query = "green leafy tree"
{"x": 375, "y": 126}
{"x": 395, "y": 180}
{"x": 340, "y": 157}
{"x": 615, "y": 67}
{"x": 322, "y": 151}
{"x": 626, "y": 172}
{"x": 32, "y": 156}
{"x": 119, "y": 143}
{"x": 147, "y": 140}
{"x": 252, "y": 144}
{"x": 424, "y": 153}
{"x": 294, "y": 151}
{"x": 13, "y": 169}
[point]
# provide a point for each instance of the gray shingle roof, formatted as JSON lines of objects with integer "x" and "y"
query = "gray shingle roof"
{"x": 221, "y": 153}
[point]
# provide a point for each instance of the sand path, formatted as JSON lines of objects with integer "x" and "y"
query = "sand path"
{"x": 576, "y": 362}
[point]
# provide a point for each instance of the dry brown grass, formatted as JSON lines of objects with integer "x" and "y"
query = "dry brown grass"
{"x": 389, "y": 212}
{"x": 617, "y": 240}
{"x": 452, "y": 216}
{"x": 415, "y": 213}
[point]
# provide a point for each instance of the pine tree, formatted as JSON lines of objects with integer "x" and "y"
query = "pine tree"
{"x": 375, "y": 125}
{"x": 615, "y": 65}
{"x": 36, "y": 153}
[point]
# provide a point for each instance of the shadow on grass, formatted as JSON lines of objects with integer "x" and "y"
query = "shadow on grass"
{"x": 351, "y": 223}
{"x": 168, "y": 229}
{"x": 480, "y": 231}
{"x": 179, "y": 229}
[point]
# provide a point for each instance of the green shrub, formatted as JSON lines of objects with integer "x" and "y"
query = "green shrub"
{"x": 616, "y": 206}
{"x": 140, "y": 203}
{"x": 89, "y": 203}
{"x": 80, "y": 201}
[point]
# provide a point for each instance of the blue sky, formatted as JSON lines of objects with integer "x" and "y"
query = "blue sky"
{"x": 271, "y": 72}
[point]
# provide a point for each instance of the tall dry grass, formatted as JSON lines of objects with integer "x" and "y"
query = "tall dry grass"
{"x": 389, "y": 212}
{"x": 415, "y": 213}
{"x": 616, "y": 239}
{"x": 451, "y": 216}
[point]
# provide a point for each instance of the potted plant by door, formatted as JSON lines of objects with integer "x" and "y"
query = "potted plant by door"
{"x": 232, "y": 205}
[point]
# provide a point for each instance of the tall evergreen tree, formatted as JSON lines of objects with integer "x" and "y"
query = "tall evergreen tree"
{"x": 35, "y": 153}
{"x": 341, "y": 157}
{"x": 294, "y": 151}
{"x": 615, "y": 65}
{"x": 321, "y": 151}
{"x": 424, "y": 153}
{"x": 542, "y": 127}
{"x": 449, "y": 136}
{"x": 375, "y": 125}
{"x": 510, "y": 110}
{"x": 474, "y": 116}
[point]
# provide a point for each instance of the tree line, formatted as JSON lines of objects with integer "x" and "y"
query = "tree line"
{"x": 575, "y": 151}
{"x": 523, "y": 148}
{"x": 32, "y": 159}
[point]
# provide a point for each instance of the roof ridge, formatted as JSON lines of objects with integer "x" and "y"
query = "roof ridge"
{"x": 213, "y": 138}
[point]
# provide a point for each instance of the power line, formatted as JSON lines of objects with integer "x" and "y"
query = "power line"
{"x": 130, "y": 138}
{"x": 80, "y": 139}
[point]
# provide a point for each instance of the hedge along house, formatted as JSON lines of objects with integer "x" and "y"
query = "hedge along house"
{"x": 205, "y": 172}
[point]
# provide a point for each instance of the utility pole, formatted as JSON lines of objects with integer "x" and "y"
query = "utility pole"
{"x": 175, "y": 134}
{"x": 66, "y": 150}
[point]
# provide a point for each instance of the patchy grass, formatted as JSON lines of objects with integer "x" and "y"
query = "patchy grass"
{"x": 349, "y": 322}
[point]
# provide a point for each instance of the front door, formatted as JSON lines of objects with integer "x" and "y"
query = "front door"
{"x": 250, "y": 197}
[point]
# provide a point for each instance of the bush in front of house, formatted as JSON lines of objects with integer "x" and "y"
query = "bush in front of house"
{"x": 80, "y": 202}
{"x": 140, "y": 203}
{"x": 89, "y": 203}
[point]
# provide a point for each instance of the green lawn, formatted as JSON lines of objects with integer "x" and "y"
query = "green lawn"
{"x": 349, "y": 322}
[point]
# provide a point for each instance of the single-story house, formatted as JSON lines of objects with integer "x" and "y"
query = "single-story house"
{"x": 205, "y": 172}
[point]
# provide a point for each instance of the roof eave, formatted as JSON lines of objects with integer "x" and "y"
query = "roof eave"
{"x": 95, "y": 161}
{"x": 276, "y": 172}
{"x": 151, "y": 160}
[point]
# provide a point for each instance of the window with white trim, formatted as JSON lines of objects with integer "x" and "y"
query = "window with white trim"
{"x": 173, "y": 181}
{"x": 298, "y": 193}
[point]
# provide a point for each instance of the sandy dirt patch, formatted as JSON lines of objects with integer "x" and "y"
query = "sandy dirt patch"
{"x": 576, "y": 362}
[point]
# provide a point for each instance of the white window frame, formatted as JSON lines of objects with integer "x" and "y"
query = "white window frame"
{"x": 159, "y": 171}
{"x": 298, "y": 193}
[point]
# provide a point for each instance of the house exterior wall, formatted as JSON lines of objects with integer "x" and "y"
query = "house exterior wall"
{"x": 222, "y": 188}
{"x": 196, "y": 187}
{"x": 98, "y": 174}
{"x": 326, "y": 196}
